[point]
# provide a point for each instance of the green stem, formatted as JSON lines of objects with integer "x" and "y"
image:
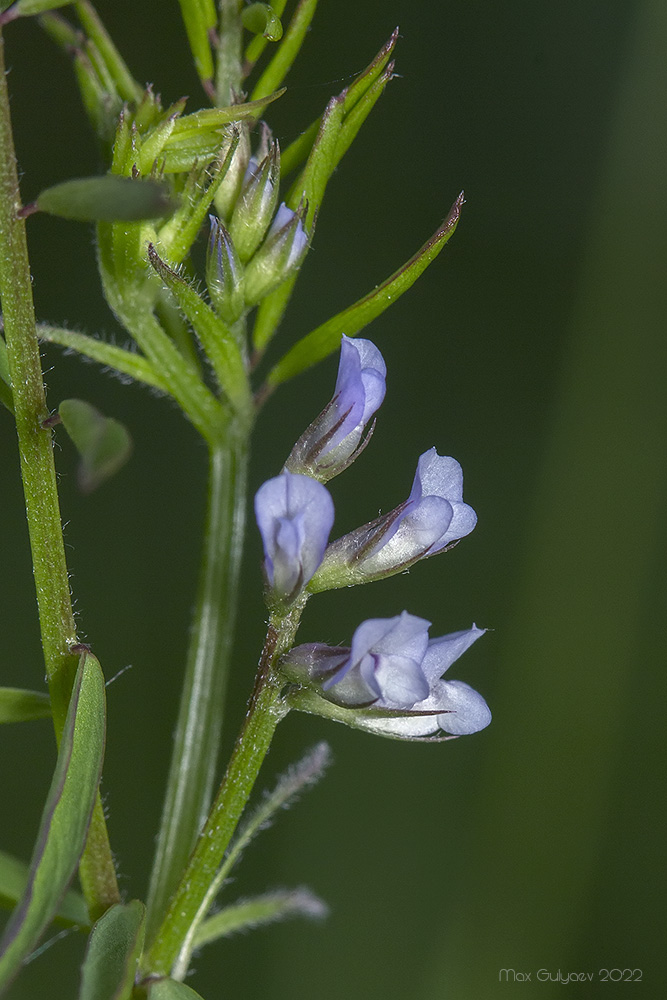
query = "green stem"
{"x": 264, "y": 713}
{"x": 230, "y": 44}
{"x": 199, "y": 723}
{"x": 39, "y": 483}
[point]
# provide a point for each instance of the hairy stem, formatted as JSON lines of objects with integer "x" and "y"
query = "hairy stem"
{"x": 39, "y": 484}
{"x": 265, "y": 711}
{"x": 199, "y": 723}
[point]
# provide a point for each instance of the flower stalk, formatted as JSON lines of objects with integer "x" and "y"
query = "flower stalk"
{"x": 265, "y": 710}
{"x": 197, "y": 736}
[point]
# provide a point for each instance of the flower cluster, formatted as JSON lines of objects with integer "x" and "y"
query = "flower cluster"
{"x": 251, "y": 249}
{"x": 389, "y": 680}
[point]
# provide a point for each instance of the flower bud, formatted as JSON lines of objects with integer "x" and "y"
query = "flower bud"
{"x": 230, "y": 188}
{"x": 334, "y": 439}
{"x": 224, "y": 274}
{"x": 256, "y": 203}
{"x": 281, "y": 253}
{"x": 294, "y": 515}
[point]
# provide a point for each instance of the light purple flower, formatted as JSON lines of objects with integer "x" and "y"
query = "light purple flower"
{"x": 334, "y": 439}
{"x": 461, "y": 710}
{"x": 295, "y": 515}
{"x": 433, "y": 516}
{"x": 385, "y": 662}
{"x": 389, "y": 681}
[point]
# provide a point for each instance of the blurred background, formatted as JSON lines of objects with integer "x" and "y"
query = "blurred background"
{"x": 533, "y": 351}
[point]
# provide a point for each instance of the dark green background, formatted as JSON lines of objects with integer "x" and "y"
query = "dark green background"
{"x": 533, "y": 351}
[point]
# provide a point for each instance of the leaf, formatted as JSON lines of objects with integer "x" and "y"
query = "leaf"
{"x": 102, "y": 442}
{"x": 196, "y": 17}
{"x": 261, "y": 19}
{"x": 210, "y": 119}
{"x": 258, "y": 911}
{"x": 65, "y": 818}
{"x": 114, "y": 947}
{"x": 319, "y": 343}
{"x": 27, "y": 8}
{"x": 310, "y": 187}
{"x": 17, "y": 705}
{"x": 127, "y": 87}
{"x": 280, "y": 65}
{"x": 259, "y": 42}
{"x": 6, "y": 394}
{"x": 298, "y": 150}
{"x": 14, "y": 876}
{"x": 107, "y": 198}
{"x": 215, "y": 337}
{"x": 129, "y": 363}
{"x": 171, "y": 989}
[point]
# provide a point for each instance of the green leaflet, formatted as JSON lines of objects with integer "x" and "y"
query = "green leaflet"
{"x": 102, "y": 442}
{"x": 129, "y": 363}
{"x": 114, "y": 946}
{"x": 261, "y": 19}
{"x": 196, "y": 16}
{"x": 26, "y": 8}
{"x": 107, "y": 198}
{"x": 258, "y": 911}
{"x": 17, "y": 705}
{"x": 14, "y": 876}
{"x": 319, "y": 343}
{"x": 127, "y": 87}
{"x": 215, "y": 337}
{"x": 65, "y": 818}
{"x": 298, "y": 150}
{"x": 310, "y": 187}
{"x": 259, "y": 42}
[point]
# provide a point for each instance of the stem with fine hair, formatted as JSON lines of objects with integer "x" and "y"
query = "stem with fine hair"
{"x": 265, "y": 711}
{"x": 197, "y": 736}
{"x": 98, "y": 876}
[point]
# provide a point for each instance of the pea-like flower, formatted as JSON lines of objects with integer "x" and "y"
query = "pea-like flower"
{"x": 429, "y": 521}
{"x": 334, "y": 439}
{"x": 295, "y": 515}
{"x": 389, "y": 681}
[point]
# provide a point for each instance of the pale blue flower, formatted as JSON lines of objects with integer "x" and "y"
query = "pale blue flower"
{"x": 334, "y": 439}
{"x": 295, "y": 515}
{"x": 389, "y": 681}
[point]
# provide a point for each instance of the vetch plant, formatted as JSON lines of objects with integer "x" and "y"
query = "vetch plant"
{"x": 174, "y": 177}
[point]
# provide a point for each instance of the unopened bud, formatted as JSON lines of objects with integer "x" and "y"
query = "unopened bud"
{"x": 229, "y": 190}
{"x": 256, "y": 203}
{"x": 281, "y": 253}
{"x": 224, "y": 274}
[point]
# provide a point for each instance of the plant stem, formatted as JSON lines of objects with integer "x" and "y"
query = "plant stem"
{"x": 195, "y": 752}
{"x": 229, "y": 77}
{"x": 264, "y": 713}
{"x": 39, "y": 484}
